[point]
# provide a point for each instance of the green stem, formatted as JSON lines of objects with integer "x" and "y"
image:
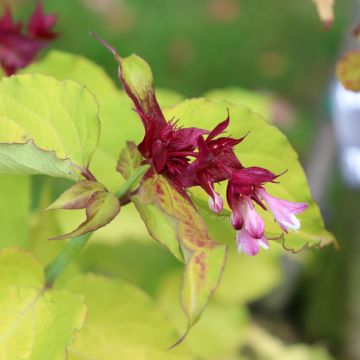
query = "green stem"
{"x": 65, "y": 257}
{"x": 131, "y": 181}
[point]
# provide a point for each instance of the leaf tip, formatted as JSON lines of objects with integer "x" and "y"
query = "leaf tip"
{"x": 179, "y": 341}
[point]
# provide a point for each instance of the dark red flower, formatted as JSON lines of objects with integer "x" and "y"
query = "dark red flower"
{"x": 19, "y": 48}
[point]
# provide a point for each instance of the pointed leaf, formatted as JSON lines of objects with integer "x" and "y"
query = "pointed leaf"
{"x": 35, "y": 323}
{"x": 78, "y": 196}
{"x": 101, "y": 209}
{"x": 204, "y": 258}
{"x": 129, "y": 160}
{"x": 129, "y": 165}
{"x": 348, "y": 70}
{"x": 46, "y": 126}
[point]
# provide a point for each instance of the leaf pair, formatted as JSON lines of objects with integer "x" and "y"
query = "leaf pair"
{"x": 101, "y": 206}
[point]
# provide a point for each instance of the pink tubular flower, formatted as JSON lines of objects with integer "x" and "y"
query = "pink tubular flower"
{"x": 284, "y": 211}
{"x": 246, "y": 187}
{"x": 18, "y": 48}
{"x": 196, "y": 157}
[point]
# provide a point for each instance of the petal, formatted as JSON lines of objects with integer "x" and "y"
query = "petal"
{"x": 40, "y": 25}
{"x": 186, "y": 138}
{"x": 245, "y": 243}
{"x": 252, "y": 176}
{"x": 264, "y": 243}
{"x": 218, "y": 129}
{"x": 216, "y": 203}
{"x": 284, "y": 211}
{"x": 253, "y": 222}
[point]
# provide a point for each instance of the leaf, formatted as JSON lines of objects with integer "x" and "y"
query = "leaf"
{"x": 101, "y": 206}
{"x": 325, "y": 9}
{"x": 122, "y": 323}
{"x": 267, "y": 147}
{"x": 221, "y": 331}
{"x": 257, "y": 102}
{"x": 129, "y": 165}
{"x": 203, "y": 257}
{"x": 14, "y": 210}
{"x": 348, "y": 70}
{"x": 35, "y": 323}
{"x": 46, "y": 126}
{"x": 78, "y": 196}
{"x": 130, "y": 159}
{"x": 119, "y": 123}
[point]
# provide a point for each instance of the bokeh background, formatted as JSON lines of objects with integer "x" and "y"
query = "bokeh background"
{"x": 274, "y": 57}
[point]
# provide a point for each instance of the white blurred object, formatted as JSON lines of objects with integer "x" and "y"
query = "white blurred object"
{"x": 346, "y": 117}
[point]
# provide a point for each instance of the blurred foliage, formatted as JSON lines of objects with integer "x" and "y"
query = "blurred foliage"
{"x": 194, "y": 46}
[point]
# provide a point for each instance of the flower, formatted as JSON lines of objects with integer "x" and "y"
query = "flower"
{"x": 191, "y": 157}
{"x": 19, "y": 48}
{"x": 246, "y": 187}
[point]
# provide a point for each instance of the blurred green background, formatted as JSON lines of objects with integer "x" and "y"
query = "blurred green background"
{"x": 278, "y": 55}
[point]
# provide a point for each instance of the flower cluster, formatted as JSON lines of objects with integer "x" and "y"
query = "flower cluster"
{"x": 196, "y": 157}
{"x": 18, "y": 48}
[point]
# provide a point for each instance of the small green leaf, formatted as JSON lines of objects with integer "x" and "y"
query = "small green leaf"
{"x": 78, "y": 196}
{"x": 186, "y": 230}
{"x": 46, "y": 126}
{"x": 101, "y": 208}
{"x": 348, "y": 70}
{"x": 35, "y": 323}
{"x": 130, "y": 159}
{"x": 123, "y": 323}
{"x": 129, "y": 165}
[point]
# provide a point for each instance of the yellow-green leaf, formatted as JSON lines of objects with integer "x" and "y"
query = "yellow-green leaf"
{"x": 101, "y": 208}
{"x": 122, "y": 323}
{"x": 78, "y": 196}
{"x": 35, "y": 323}
{"x": 204, "y": 259}
{"x": 14, "y": 210}
{"x": 46, "y": 126}
{"x": 348, "y": 70}
{"x": 220, "y": 332}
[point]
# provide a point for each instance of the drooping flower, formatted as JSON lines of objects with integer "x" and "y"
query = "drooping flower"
{"x": 191, "y": 157}
{"x": 19, "y": 48}
{"x": 246, "y": 188}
